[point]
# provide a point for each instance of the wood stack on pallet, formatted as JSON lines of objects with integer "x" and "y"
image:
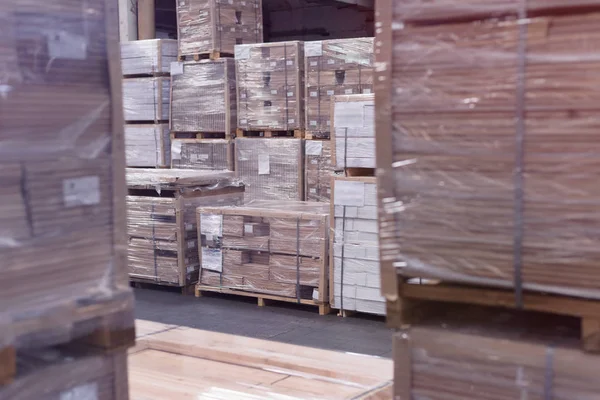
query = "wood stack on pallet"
{"x": 266, "y": 250}
{"x": 63, "y": 285}
{"x": 487, "y": 155}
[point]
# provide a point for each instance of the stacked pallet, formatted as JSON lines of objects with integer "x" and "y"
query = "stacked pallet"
{"x": 318, "y": 168}
{"x": 62, "y": 211}
{"x": 266, "y": 249}
{"x": 487, "y": 147}
{"x": 146, "y": 65}
{"x": 161, "y": 223}
{"x": 203, "y": 114}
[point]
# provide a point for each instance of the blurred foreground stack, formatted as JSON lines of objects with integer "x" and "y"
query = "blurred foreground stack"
{"x": 67, "y": 311}
{"x": 487, "y": 121}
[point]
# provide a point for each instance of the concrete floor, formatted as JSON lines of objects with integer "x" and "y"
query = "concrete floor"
{"x": 288, "y": 323}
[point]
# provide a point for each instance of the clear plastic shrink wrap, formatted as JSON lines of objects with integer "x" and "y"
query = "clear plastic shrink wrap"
{"x": 271, "y": 169}
{"x": 146, "y": 99}
{"x": 318, "y": 170}
{"x": 270, "y": 84}
{"x": 161, "y": 221}
{"x": 203, "y": 96}
{"x": 334, "y": 67}
{"x": 270, "y": 247}
{"x": 490, "y": 155}
{"x": 62, "y": 198}
{"x": 204, "y": 154}
{"x": 148, "y": 57}
{"x": 206, "y": 26}
{"x": 353, "y": 126}
{"x": 148, "y": 145}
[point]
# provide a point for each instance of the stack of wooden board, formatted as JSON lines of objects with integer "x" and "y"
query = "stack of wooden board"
{"x": 353, "y": 131}
{"x": 266, "y": 248}
{"x": 163, "y": 245}
{"x": 146, "y": 65}
{"x": 318, "y": 168}
{"x": 62, "y": 211}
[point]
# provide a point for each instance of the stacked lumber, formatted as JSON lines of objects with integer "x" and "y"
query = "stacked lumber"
{"x": 270, "y": 85}
{"x": 354, "y": 270}
{"x": 271, "y": 168}
{"x": 318, "y": 169}
{"x": 148, "y": 57}
{"x": 216, "y": 26}
{"x": 161, "y": 222}
{"x": 266, "y": 247}
{"x": 353, "y": 131}
{"x": 334, "y": 67}
{"x": 62, "y": 211}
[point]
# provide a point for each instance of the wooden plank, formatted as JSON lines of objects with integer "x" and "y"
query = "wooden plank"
{"x": 146, "y": 19}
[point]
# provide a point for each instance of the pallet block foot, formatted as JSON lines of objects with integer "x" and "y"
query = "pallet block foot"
{"x": 324, "y": 309}
{"x": 590, "y": 334}
{"x": 115, "y": 331}
{"x": 8, "y": 365}
{"x": 346, "y": 313}
{"x": 261, "y": 302}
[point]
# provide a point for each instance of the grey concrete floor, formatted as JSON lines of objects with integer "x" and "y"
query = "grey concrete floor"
{"x": 282, "y": 322}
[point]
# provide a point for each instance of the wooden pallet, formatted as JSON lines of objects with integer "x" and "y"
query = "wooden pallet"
{"x": 317, "y": 136}
{"x": 151, "y": 75}
{"x": 202, "y": 135}
{"x": 358, "y": 172}
{"x": 262, "y": 299}
{"x": 211, "y": 55}
{"x": 153, "y": 285}
{"x": 294, "y": 134}
{"x": 415, "y": 297}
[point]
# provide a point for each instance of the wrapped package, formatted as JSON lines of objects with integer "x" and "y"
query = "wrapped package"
{"x": 148, "y": 57}
{"x": 202, "y": 154}
{"x": 203, "y": 97}
{"x": 488, "y": 153}
{"x": 355, "y": 276}
{"x": 264, "y": 248}
{"x": 318, "y": 168}
{"x": 271, "y": 169}
{"x": 69, "y": 374}
{"x": 161, "y": 221}
{"x": 62, "y": 211}
{"x": 353, "y": 127}
{"x": 270, "y": 84}
{"x": 148, "y": 145}
{"x": 146, "y": 99}
{"x": 209, "y": 26}
{"x": 334, "y": 67}
{"x": 475, "y": 353}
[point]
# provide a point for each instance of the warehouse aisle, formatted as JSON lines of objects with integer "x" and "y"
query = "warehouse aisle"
{"x": 288, "y": 324}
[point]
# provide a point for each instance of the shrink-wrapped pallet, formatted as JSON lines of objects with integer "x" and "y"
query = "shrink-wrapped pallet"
{"x": 161, "y": 222}
{"x": 355, "y": 276}
{"x": 489, "y": 152}
{"x": 209, "y": 26}
{"x": 334, "y": 67}
{"x": 202, "y": 154}
{"x": 146, "y": 99}
{"x": 270, "y": 84}
{"x": 62, "y": 211}
{"x": 318, "y": 170}
{"x": 353, "y": 127}
{"x": 271, "y": 169}
{"x": 203, "y": 97}
{"x": 148, "y": 57}
{"x": 264, "y": 248}
{"x": 148, "y": 145}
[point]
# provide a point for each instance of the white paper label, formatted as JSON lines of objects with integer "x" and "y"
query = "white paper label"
{"x": 289, "y": 62}
{"x": 62, "y": 44}
{"x": 313, "y": 123}
{"x": 243, "y": 121}
{"x": 314, "y": 148}
{"x": 232, "y": 29}
{"x": 313, "y": 49}
{"x": 264, "y": 166}
{"x": 330, "y": 93}
{"x": 83, "y": 392}
{"x": 290, "y": 94}
{"x": 366, "y": 91}
{"x": 241, "y": 52}
{"x": 274, "y": 91}
{"x": 314, "y": 63}
{"x": 313, "y": 190}
{"x": 313, "y": 94}
{"x": 273, "y": 63}
{"x": 176, "y": 149}
{"x": 291, "y": 121}
{"x": 249, "y": 229}
{"x": 195, "y": 158}
{"x": 315, "y": 294}
{"x": 191, "y": 244}
{"x": 330, "y": 61}
{"x": 349, "y": 193}
{"x": 84, "y": 191}
{"x": 188, "y": 227}
{"x": 348, "y": 91}
{"x": 176, "y": 68}
{"x": 212, "y": 259}
{"x": 242, "y": 95}
{"x": 211, "y": 225}
{"x": 190, "y": 269}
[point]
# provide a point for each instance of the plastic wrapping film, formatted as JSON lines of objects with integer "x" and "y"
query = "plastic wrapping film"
{"x": 355, "y": 270}
{"x": 203, "y": 97}
{"x": 318, "y": 170}
{"x": 271, "y": 169}
{"x": 334, "y": 67}
{"x": 148, "y": 57}
{"x": 61, "y": 148}
{"x": 148, "y": 145}
{"x": 266, "y": 247}
{"x": 146, "y": 99}
{"x": 203, "y": 154}
{"x": 205, "y": 26}
{"x": 69, "y": 374}
{"x": 490, "y": 168}
{"x": 163, "y": 245}
{"x": 476, "y": 354}
{"x": 353, "y": 126}
{"x": 270, "y": 84}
